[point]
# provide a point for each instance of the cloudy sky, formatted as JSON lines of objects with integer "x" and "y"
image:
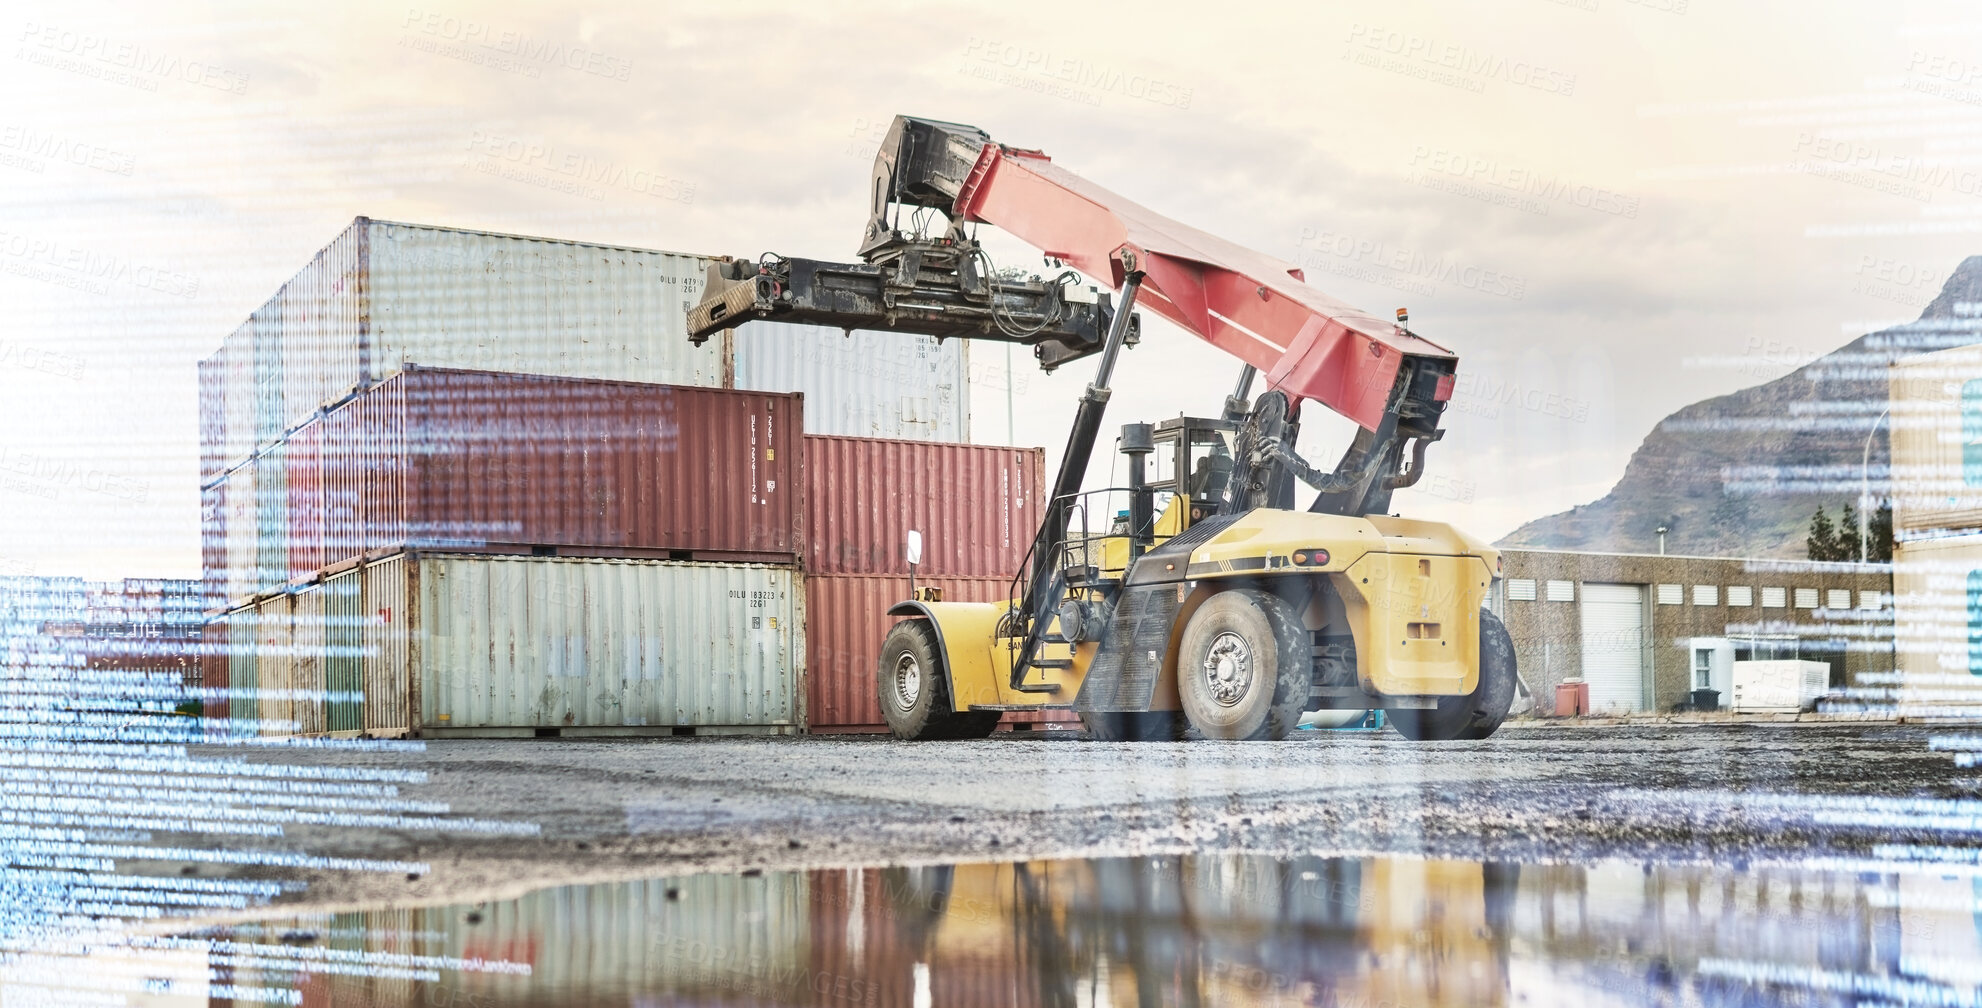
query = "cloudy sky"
{"x": 1609, "y": 208}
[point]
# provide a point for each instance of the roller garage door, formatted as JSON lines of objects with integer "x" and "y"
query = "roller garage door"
{"x": 1614, "y": 646}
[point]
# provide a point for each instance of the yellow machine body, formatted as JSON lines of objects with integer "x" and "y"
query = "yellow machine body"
{"x": 1409, "y": 592}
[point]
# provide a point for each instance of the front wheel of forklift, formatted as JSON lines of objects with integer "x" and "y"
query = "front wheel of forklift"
{"x": 913, "y": 688}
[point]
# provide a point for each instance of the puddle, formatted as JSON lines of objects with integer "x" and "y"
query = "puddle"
{"x": 1173, "y": 930}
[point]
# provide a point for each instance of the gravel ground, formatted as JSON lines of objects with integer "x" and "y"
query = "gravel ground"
{"x": 615, "y": 809}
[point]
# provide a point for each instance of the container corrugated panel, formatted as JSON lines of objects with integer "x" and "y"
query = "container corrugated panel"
{"x": 241, "y": 505}
{"x": 213, "y": 546}
{"x": 274, "y": 664}
{"x": 1937, "y": 440}
{"x": 685, "y": 940}
{"x": 1937, "y": 623}
{"x": 846, "y": 618}
{"x": 212, "y": 375}
{"x": 307, "y": 654}
{"x": 214, "y": 649}
{"x": 243, "y": 649}
{"x": 385, "y": 653}
{"x": 303, "y": 474}
{"x": 500, "y": 642}
{"x": 468, "y": 299}
{"x": 473, "y": 459}
{"x": 271, "y": 519}
{"x": 341, "y": 452}
{"x": 343, "y": 643}
{"x": 863, "y": 384}
{"x": 266, "y": 342}
{"x": 320, "y": 335}
{"x": 237, "y": 354}
{"x": 976, "y": 506}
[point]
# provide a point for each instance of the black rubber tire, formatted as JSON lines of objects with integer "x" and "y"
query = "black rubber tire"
{"x": 929, "y": 715}
{"x": 1282, "y": 670}
{"x": 1479, "y": 713}
{"x": 1130, "y": 726}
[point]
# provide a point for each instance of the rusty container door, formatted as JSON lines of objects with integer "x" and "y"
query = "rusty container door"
{"x": 976, "y": 506}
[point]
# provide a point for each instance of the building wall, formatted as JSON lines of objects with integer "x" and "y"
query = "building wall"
{"x": 1548, "y": 634}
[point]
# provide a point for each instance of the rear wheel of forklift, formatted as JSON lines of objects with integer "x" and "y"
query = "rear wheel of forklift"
{"x": 1478, "y": 714}
{"x": 914, "y": 689}
{"x": 1244, "y": 669}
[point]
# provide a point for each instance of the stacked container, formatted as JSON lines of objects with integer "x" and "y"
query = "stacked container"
{"x": 1937, "y": 518}
{"x": 458, "y": 481}
{"x": 977, "y": 508}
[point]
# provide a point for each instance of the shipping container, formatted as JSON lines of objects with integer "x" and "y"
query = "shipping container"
{"x": 976, "y": 506}
{"x": 275, "y": 671}
{"x": 238, "y": 574}
{"x": 213, "y": 547}
{"x": 861, "y": 383}
{"x": 1937, "y": 441}
{"x": 343, "y": 656}
{"x": 383, "y": 295}
{"x": 212, "y": 385}
{"x": 475, "y": 459}
{"x": 385, "y": 651}
{"x": 243, "y": 647}
{"x": 518, "y": 645}
{"x": 302, "y": 460}
{"x": 271, "y": 564}
{"x": 214, "y": 650}
{"x": 846, "y": 618}
{"x": 237, "y": 370}
{"x": 1937, "y": 625}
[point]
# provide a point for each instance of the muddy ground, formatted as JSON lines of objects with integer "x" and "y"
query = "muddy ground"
{"x": 615, "y": 809}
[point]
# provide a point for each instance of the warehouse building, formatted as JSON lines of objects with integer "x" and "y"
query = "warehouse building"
{"x": 1645, "y": 631}
{"x": 1936, "y": 411}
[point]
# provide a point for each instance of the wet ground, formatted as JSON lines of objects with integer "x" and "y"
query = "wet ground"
{"x": 1717, "y": 795}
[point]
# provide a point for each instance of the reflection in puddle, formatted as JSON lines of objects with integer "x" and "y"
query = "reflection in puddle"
{"x": 1174, "y": 930}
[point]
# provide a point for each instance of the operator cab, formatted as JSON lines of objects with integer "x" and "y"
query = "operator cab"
{"x": 1189, "y": 474}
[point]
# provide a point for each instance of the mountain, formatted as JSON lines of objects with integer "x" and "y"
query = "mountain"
{"x": 1740, "y": 474}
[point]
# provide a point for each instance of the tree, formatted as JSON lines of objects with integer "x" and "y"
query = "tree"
{"x": 1822, "y": 542}
{"x": 1881, "y": 534}
{"x": 1847, "y": 535}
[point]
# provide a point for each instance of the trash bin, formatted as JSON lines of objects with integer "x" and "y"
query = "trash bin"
{"x": 1572, "y": 696}
{"x": 1706, "y": 699}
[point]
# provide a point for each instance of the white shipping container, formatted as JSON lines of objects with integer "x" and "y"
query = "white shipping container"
{"x": 1937, "y": 625}
{"x": 383, "y": 295}
{"x": 508, "y": 644}
{"x": 861, "y": 384}
{"x": 1779, "y": 685}
{"x": 1937, "y": 440}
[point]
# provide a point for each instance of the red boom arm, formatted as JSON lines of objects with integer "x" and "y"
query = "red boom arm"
{"x": 1252, "y": 306}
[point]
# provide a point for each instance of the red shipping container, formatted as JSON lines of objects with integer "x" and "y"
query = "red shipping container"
{"x": 977, "y": 506}
{"x": 473, "y": 460}
{"x": 302, "y": 460}
{"x": 846, "y": 618}
{"x": 213, "y": 669}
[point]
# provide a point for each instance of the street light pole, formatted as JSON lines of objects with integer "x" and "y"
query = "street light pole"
{"x": 1865, "y": 485}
